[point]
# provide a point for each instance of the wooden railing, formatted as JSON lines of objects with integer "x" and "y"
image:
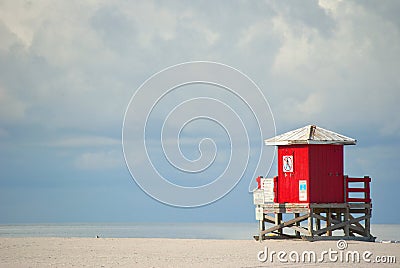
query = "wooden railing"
{"x": 365, "y": 189}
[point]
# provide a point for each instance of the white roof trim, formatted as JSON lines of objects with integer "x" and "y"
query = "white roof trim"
{"x": 310, "y": 134}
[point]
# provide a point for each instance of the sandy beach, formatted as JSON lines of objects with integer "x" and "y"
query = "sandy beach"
{"x": 143, "y": 252}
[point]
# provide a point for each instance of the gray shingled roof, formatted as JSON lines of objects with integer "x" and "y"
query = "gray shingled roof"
{"x": 310, "y": 134}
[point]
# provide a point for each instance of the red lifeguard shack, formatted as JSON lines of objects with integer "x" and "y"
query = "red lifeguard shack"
{"x": 310, "y": 165}
{"x": 311, "y": 184}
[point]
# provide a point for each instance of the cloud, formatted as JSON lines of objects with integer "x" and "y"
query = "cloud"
{"x": 11, "y": 108}
{"x": 350, "y": 70}
{"x": 85, "y": 141}
{"x": 101, "y": 160}
{"x": 373, "y": 160}
{"x": 68, "y": 69}
{"x": 329, "y": 61}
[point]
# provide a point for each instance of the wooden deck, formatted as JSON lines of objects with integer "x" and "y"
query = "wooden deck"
{"x": 317, "y": 221}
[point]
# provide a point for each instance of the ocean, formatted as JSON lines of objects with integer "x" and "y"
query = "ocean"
{"x": 241, "y": 231}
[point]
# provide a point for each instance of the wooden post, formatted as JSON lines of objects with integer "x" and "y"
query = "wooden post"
{"x": 328, "y": 221}
{"x": 278, "y": 220}
{"x": 368, "y": 222}
{"x": 346, "y": 219}
{"x": 318, "y": 222}
{"x": 310, "y": 222}
{"x": 297, "y": 224}
{"x": 261, "y": 228}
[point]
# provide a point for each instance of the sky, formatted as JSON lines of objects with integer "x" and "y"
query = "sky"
{"x": 68, "y": 70}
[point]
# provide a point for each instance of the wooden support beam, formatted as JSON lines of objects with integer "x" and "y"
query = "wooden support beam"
{"x": 340, "y": 225}
{"x": 368, "y": 223}
{"x": 299, "y": 230}
{"x": 358, "y": 230}
{"x": 278, "y": 220}
{"x": 328, "y": 222}
{"x": 328, "y": 205}
{"x": 356, "y": 223}
{"x": 311, "y": 222}
{"x": 346, "y": 219}
{"x": 319, "y": 217}
{"x": 318, "y": 221}
{"x": 358, "y": 211}
{"x": 359, "y": 205}
{"x": 353, "y": 218}
{"x": 286, "y": 224}
{"x": 296, "y": 215}
{"x": 356, "y": 238}
{"x": 261, "y": 229}
{"x": 269, "y": 218}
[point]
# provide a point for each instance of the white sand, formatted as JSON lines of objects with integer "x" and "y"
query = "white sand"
{"x": 141, "y": 252}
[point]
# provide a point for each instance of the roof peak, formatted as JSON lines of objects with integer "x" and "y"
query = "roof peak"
{"x": 310, "y": 134}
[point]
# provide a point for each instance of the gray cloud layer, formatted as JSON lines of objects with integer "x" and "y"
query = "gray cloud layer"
{"x": 68, "y": 69}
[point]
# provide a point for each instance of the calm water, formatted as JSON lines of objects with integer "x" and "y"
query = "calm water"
{"x": 161, "y": 230}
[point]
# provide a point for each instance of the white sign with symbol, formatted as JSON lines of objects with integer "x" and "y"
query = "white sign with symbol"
{"x": 288, "y": 163}
{"x": 302, "y": 190}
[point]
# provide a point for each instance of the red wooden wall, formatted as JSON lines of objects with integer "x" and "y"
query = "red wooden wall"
{"x": 326, "y": 173}
{"x": 320, "y": 166}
